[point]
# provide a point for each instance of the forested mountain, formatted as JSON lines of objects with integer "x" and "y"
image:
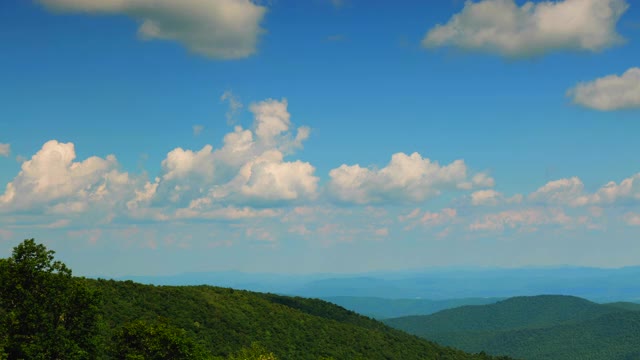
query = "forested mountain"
{"x": 537, "y": 327}
{"x": 223, "y": 321}
{"x": 381, "y": 308}
{"x": 46, "y": 313}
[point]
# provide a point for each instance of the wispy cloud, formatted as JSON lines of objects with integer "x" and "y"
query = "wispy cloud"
{"x": 234, "y": 105}
{"x": 336, "y": 38}
{"x": 5, "y": 149}
{"x": 197, "y": 130}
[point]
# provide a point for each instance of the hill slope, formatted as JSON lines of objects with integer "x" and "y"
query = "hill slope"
{"x": 539, "y": 327}
{"x": 381, "y": 308}
{"x": 226, "y": 320}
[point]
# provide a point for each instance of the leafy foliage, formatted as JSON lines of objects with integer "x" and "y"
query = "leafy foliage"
{"x": 140, "y": 340}
{"x": 45, "y": 312}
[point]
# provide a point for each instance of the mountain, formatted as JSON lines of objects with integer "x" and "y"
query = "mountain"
{"x": 625, "y": 305}
{"x": 224, "y": 320}
{"x": 538, "y": 327}
{"x": 601, "y": 285}
{"x": 381, "y": 308}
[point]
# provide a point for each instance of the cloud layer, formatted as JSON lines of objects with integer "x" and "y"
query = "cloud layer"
{"x": 503, "y": 27}
{"x": 221, "y": 29}
{"x": 251, "y": 181}
{"x": 611, "y": 92}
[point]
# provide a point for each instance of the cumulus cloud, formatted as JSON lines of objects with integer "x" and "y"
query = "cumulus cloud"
{"x": 486, "y": 197}
{"x": 249, "y": 169}
{"x": 220, "y": 29}
{"x": 608, "y": 93}
{"x": 270, "y": 178}
{"x": 239, "y": 180}
{"x": 409, "y": 178}
{"x": 503, "y": 27}
{"x": 611, "y": 192}
{"x": 570, "y": 191}
{"x": 563, "y": 191}
{"x": 52, "y": 181}
{"x": 181, "y": 163}
{"x": 5, "y": 149}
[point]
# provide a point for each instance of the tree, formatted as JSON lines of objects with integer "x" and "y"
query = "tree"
{"x": 45, "y": 313}
{"x": 140, "y": 340}
{"x": 255, "y": 352}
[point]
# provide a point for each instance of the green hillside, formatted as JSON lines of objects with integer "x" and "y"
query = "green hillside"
{"x": 538, "y": 327}
{"x": 514, "y": 313}
{"x": 46, "y": 313}
{"x": 625, "y": 305}
{"x": 380, "y": 308}
{"x": 225, "y": 320}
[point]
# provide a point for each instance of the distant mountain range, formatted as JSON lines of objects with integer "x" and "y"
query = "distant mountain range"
{"x": 379, "y": 308}
{"x": 600, "y": 285}
{"x": 537, "y": 327}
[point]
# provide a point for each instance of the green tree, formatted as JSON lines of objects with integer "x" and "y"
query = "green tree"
{"x": 139, "y": 340}
{"x": 45, "y": 313}
{"x": 255, "y": 352}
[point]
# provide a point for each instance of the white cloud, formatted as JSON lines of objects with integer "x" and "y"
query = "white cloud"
{"x": 406, "y": 178}
{"x": 486, "y": 197}
{"x": 428, "y": 219}
{"x": 270, "y": 178}
{"x": 611, "y": 192}
{"x": 611, "y": 92}
{"x": 249, "y": 169}
{"x": 181, "y": 163}
{"x": 411, "y": 215}
{"x": 438, "y": 218}
{"x": 52, "y": 181}
{"x": 145, "y": 195}
{"x": 503, "y": 27}
{"x": 272, "y": 119}
{"x": 224, "y": 213}
{"x": 570, "y": 191}
{"x": 522, "y": 219}
{"x": 5, "y": 149}
{"x": 563, "y": 191}
{"x": 221, "y": 29}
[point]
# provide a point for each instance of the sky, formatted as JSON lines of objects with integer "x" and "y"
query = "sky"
{"x": 154, "y": 137}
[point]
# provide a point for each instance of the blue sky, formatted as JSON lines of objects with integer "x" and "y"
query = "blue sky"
{"x": 353, "y": 136}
